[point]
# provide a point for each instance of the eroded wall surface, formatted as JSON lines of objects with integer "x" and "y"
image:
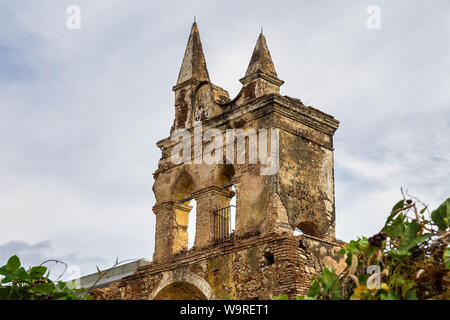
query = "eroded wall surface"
{"x": 253, "y": 268}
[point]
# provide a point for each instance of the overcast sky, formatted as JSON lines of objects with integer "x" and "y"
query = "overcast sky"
{"x": 81, "y": 110}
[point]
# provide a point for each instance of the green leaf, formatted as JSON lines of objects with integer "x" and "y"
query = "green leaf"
{"x": 413, "y": 242}
{"x": 4, "y": 271}
{"x": 328, "y": 277}
{"x": 410, "y": 238}
{"x": 406, "y": 288}
{"x": 314, "y": 289}
{"x": 353, "y": 247}
{"x": 98, "y": 270}
{"x": 37, "y": 272}
{"x": 13, "y": 264}
{"x": 411, "y": 295}
{"x": 45, "y": 288}
{"x": 331, "y": 283}
{"x": 399, "y": 254}
{"x": 21, "y": 274}
{"x": 9, "y": 276}
{"x": 398, "y": 205}
{"x": 397, "y": 227}
{"x": 61, "y": 285}
{"x": 441, "y": 216}
{"x": 363, "y": 244}
{"x": 349, "y": 259}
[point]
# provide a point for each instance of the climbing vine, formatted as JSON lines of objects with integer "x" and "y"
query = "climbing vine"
{"x": 409, "y": 259}
{"x": 18, "y": 283}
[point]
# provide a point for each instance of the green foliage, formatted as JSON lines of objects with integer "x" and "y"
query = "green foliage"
{"x": 441, "y": 216}
{"x": 325, "y": 286}
{"x": 411, "y": 250}
{"x": 18, "y": 283}
{"x": 410, "y": 236}
{"x": 399, "y": 254}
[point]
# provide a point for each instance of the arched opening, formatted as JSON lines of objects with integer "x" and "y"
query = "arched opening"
{"x": 180, "y": 291}
{"x": 308, "y": 228}
{"x": 225, "y": 175}
{"x": 225, "y": 216}
{"x": 182, "y": 191}
{"x": 183, "y": 188}
{"x": 233, "y": 209}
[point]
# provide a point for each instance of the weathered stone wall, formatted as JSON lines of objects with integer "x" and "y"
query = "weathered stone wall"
{"x": 306, "y": 185}
{"x": 325, "y": 251}
{"x": 258, "y": 267}
{"x": 264, "y": 258}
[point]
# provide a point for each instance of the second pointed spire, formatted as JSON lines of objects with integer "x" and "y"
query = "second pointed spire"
{"x": 261, "y": 78}
{"x": 193, "y": 66}
{"x": 261, "y": 61}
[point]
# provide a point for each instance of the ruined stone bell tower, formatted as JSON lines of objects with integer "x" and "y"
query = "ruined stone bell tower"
{"x": 302, "y": 190}
{"x": 290, "y": 187}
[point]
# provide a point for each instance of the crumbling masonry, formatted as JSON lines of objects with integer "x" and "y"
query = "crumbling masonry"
{"x": 261, "y": 257}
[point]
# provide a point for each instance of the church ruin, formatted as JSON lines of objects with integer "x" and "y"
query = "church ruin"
{"x": 250, "y": 250}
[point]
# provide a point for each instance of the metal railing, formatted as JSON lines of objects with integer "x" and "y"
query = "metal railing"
{"x": 222, "y": 225}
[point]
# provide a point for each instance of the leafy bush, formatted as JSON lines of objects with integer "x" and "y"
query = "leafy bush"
{"x": 412, "y": 255}
{"x": 18, "y": 283}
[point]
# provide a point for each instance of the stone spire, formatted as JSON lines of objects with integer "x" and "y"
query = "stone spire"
{"x": 261, "y": 61}
{"x": 261, "y": 77}
{"x": 194, "y": 64}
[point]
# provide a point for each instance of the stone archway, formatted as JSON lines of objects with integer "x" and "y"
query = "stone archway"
{"x": 182, "y": 285}
{"x": 183, "y": 187}
{"x": 180, "y": 291}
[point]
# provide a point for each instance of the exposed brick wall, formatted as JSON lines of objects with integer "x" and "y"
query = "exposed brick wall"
{"x": 258, "y": 267}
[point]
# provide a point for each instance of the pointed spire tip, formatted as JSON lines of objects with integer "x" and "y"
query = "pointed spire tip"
{"x": 261, "y": 61}
{"x": 193, "y": 66}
